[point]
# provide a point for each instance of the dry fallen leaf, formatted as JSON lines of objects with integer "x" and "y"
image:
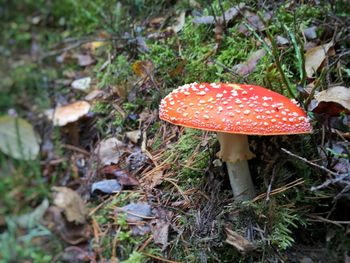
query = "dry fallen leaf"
{"x": 239, "y": 242}
{"x": 332, "y": 101}
{"x": 229, "y": 15}
{"x": 71, "y": 202}
{"x": 250, "y": 65}
{"x": 180, "y": 23}
{"x": 92, "y": 46}
{"x": 133, "y": 136}
{"x": 94, "y": 95}
{"x": 161, "y": 227}
{"x": 110, "y": 150}
{"x": 314, "y": 58}
{"x": 84, "y": 60}
{"x": 254, "y": 21}
{"x": 70, "y": 232}
{"x": 153, "y": 179}
{"x": 338, "y": 94}
{"x": 63, "y": 115}
{"x": 123, "y": 177}
{"x": 143, "y": 68}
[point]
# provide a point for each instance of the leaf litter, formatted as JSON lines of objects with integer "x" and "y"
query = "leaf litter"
{"x": 72, "y": 204}
{"x": 122, "y": 164}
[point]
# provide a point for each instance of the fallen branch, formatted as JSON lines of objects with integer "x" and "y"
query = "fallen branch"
{"x": 338, "y": 177}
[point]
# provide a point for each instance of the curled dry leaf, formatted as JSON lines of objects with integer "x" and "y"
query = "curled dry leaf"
{"x": 143, "y": 68}
{"x": 338, "y": 94}
{"x": 253, "y": 21}
{"x": 84, "y": 60}
{"x": 94, "y": 95}
{"x": 229, "y": 15}
{"x": 110, "y": 150}
{"x": 153, "y": 179}
{"x": 71, "y": 233}
{"x": 18, "y": 138}
{"x": 73, "y": 205}
{"x": 124, "y": 178}
{"x": 133, "y": 136}
{"x": 250, "y": 65}
{"x": 180, "y": 23}
{"x": 314, "y": 58}
{"x": 81, "y": 84}
{"x": 63, "y": 115}
{"x": 239, "y": 242}
{"x": 161, "y": 227}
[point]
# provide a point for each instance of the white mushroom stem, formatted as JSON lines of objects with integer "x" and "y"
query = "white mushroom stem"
{"x": 235, "y": 152}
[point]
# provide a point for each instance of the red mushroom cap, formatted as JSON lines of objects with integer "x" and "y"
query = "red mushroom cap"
{"x": 233, "y": 108}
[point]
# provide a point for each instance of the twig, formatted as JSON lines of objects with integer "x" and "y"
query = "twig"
{"x": 72, "y": 46}
{"x": 328, "y": 182}
{"x": 338, "y": 177}
{"x": 311, "y": 163}
{"x": 335, "y": 222}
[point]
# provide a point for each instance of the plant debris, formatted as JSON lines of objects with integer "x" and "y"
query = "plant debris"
{"x": 72, "y": 204}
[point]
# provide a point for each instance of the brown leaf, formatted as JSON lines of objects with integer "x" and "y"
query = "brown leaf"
{"x": 93, "y": 46}
{"x": 153, "y": 179}
{"x": 95, "y": 94}
{"x": 123, "y": 177}
{"x": 250, "y": 65}
{"x": 338, "y": 94}
{"x": 239, "y": 242}
{"x": 110, "y": 150}
{"x": 74, "y": 254}
{"x": 178, "y": 69}
{"x": 133, "y": 136}
{"x": 314, "y": 58}
{"x": 229, "y": 15}
{"x": 84, "y": 60}
{"x": 254, "y": 21}
{"x": 161, "y": 228}
{"x": 73, "y": 205}
{"x": 69, "y": 232}
{"x": 180, "y": 23}
{"x": 143, "y": 68}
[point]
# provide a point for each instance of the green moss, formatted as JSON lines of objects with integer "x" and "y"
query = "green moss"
{"x": 192, "y": 159}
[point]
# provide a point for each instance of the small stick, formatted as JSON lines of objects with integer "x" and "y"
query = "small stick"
{"x": 311, "y": 163}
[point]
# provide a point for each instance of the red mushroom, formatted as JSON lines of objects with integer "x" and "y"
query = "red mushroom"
{"x": 234, "y": 111}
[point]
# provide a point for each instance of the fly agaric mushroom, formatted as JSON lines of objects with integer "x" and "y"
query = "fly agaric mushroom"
{"x": 234, "y": 111}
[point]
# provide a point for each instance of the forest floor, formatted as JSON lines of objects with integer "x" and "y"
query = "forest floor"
{"x": 89, "y": 173}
